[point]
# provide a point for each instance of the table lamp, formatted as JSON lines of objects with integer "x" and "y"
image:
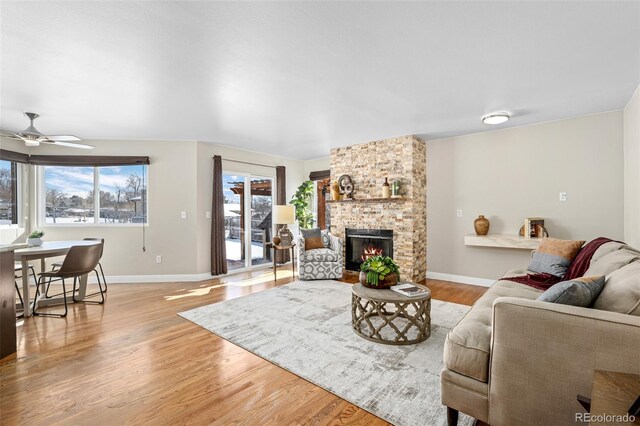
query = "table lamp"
{"x": 284, "y": 215}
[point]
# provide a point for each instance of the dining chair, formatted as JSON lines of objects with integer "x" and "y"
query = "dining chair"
{"x": 57, "y": 265}
{"x": 80, "y": 260}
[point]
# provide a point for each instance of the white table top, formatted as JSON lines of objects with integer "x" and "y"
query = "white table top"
{"x": 54, "y": 246}
{"x": 11, "y": 247}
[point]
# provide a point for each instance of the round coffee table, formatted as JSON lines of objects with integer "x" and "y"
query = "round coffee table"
{"x": 385, "y": 316}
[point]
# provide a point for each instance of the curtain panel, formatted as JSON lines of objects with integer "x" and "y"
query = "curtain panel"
{"x": 282, "y": 256}
{"x": 218, "y": 247}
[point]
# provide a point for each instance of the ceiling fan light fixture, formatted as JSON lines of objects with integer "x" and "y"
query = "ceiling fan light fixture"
{"x": 496, "y": 118}
{"x": 32, "y": 142}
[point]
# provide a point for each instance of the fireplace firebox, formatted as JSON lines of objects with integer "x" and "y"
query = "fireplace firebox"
{"x": 363, "y": 243}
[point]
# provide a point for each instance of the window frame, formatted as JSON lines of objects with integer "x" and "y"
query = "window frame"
{"x": 41, "y": 204}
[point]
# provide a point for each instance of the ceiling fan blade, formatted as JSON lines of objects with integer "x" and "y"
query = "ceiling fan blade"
{"x": 71, "y": 144}
{"x": 64, "y": 138}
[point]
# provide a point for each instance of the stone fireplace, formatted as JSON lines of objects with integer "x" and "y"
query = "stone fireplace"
{"x": 402, "y": 159}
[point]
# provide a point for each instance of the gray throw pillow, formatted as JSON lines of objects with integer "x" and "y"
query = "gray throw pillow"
{"x": 577, "y": 292}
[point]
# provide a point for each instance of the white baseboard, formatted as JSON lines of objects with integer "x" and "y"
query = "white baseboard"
{"x": 129, "y": 279}
{"x": 460, "y": 279}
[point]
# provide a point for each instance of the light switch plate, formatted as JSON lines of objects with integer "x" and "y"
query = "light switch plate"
{"x": 208, "y": 215}
{"x": 183, "y": 215}
{"x": 563, "y": 196}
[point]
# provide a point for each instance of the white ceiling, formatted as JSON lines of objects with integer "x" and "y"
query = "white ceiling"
{"x": 296, "y": 79}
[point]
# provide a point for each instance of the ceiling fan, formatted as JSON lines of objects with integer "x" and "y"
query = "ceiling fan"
{"x": 32, "y": 137}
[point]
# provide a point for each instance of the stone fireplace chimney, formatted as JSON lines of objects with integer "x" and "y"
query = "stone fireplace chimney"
{"x": 403, "y": 159}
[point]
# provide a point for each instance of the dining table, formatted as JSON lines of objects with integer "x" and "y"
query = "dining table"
{"x": 48, "y": 249}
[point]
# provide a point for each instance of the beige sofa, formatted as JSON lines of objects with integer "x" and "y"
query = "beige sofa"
{"x": 513, "y": 360}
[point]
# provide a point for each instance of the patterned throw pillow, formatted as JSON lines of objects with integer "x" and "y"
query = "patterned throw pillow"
{"x": 312, "y": 238}
{"x": 326, "y": 238}
{"x": 554, "y": 256}
{"x": 578, "y": 292}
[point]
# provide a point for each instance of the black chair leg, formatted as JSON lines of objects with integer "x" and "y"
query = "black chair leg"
{"x": 104, "y": 280}
{"x": 100, "y": 292}
{"x": 35, "y": 301}
{"x": 46, "y": 293}
{"x": 20, "y": 297}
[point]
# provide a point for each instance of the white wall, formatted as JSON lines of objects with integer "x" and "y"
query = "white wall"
{"x": 511, "y": 174}
{"x": 632, "y": 170}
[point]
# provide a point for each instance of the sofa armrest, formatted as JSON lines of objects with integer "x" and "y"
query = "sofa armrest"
{"x": 336, "y": 246}
{"x": 544, "y": 354}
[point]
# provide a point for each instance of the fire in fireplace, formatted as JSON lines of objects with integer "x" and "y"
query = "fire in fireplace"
{"x": 362, "y": 244}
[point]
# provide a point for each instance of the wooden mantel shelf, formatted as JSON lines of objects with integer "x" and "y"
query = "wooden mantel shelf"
{"x": 370, "y": 200}
{"x": 502, "y": 241}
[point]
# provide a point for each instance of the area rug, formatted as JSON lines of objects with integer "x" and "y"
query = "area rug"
{"x": 305, "y": 328}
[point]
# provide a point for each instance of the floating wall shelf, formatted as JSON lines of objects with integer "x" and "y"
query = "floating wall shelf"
{"x": 502, "y": 241}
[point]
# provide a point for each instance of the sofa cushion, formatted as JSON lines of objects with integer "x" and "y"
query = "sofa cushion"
{"x": 320, "y": 255}
{"x": 621, "y": 292}
{"x": 554, "y": 256}
{"x": 467, "y": 347}
{"x": 611, "y": 262}
{"x": 605, "y": 249}
{"x": 577, "y": 292}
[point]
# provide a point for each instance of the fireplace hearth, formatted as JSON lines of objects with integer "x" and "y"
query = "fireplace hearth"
{"x": 364, "y": 243}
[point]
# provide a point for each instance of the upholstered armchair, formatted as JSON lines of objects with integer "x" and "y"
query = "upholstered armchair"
{"x": 321, "y": 263}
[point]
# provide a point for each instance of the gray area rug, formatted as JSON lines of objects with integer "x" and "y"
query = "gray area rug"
{"x": 305, "y": 327}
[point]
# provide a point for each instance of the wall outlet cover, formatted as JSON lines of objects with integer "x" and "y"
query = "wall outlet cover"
{"x": 459, "y": 213}
{"x": 563, "y": 196}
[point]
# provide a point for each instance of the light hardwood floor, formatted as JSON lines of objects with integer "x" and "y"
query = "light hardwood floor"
{"x": 134, "y": 361}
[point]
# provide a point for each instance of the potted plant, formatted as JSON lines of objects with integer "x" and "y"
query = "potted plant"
{"x": 302, "y": 201}
{"x": 379, "y": 272}
{"x": 34, "y": 239}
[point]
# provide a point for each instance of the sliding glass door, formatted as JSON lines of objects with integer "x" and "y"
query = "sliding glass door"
{"x": 247, "y": 217}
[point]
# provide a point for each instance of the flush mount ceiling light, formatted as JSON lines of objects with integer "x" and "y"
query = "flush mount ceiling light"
{"x": 496, "y": 118}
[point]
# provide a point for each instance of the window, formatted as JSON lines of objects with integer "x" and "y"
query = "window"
{"x": 89, "y": 195}
{"x": 8, "y": 193}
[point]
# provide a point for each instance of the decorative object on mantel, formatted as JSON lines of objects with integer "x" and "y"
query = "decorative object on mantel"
{"x": 346, "y": 186}
{"x": 335, "y": 191}
{"x": 284, "y": 215}
{"x": 536, "y": 228}
{"x": 35, "y": 238}
{"x": 532, "y": 227}
{"x": 481, "y": 225}
{"x": 395, "y": 189}
{"x": 379, "y": 272}
{"x": 276, "y": 240}
{"x": 386, "y": 189}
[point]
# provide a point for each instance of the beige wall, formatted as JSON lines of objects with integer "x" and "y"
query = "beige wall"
{"x": 632, "y": 170}
{"x": 510, "y": 174}
{"x": 316, "y": 165}
{"x": 171, "y": 190}
{"x": 179, "y": 179}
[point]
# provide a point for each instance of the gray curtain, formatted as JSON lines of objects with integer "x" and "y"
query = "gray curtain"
{"x": 282, "y": 256}
{"x": 218, "y": 248}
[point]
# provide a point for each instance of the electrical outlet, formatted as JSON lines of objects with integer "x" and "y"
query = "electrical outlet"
{"x": 183, "y": 215}
{"x": 563, "y": 196}
{"x": 459, "y": 213}
{"x": 158, "y": 259}
{"x": 208, "y": 215}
